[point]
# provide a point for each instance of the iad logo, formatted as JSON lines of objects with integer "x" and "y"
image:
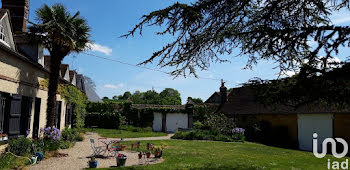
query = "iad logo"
{"x": 334, "y": 164}
{"x": 324, "y": 147}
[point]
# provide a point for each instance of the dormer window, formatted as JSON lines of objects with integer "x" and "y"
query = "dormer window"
{"x": 2, "y": 33}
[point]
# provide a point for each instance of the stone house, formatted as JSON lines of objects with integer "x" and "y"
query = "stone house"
{"x": 23, "y": 101}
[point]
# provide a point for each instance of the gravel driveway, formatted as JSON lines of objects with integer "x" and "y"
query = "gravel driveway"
{"x": 77, "y": 156}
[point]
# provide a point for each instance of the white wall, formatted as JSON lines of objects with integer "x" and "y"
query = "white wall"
{"x": 157, "y": 122}
{"x": 175, "y": 121}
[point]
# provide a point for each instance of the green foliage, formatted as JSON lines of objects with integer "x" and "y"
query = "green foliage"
{"x": 170, "y": 96}
{"x": 105, "y": 120}
{"x": 20, "y": 146}
{"x": 200, "y": 111}
{"x": 220, "y": 123}
{"x": 135, "y": 129}
{"x": 71, "y": 135}
{"x": 197, "y": 100}
{"x": 213, "y": 135}
{"x": 103, "y": 115}
{"x": 197, "y": 125}
{"x": 9, "y": 161}
{"x": 74, "y": 96}
{"x": 134, "y": 132}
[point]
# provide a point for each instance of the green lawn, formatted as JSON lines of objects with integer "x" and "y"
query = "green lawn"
{"x": 114, "y": 133}
{"x": 182, "y": 154}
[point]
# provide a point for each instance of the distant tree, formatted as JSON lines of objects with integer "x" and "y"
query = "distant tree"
{"x": 126, "y": 95}
{"x": 105, "y": 99}
{"x": 115, "y": 97}
{"x": 151, "y": 97}
{"x": 137, "y": 97}
{"x": 170, "y": 96}
{"x": 120, "y": 97}
{"x": 197, "y": 100}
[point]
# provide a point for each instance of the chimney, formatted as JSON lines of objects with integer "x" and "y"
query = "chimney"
{"x": 223, "y": 92}
{"x": 18, "y": 12}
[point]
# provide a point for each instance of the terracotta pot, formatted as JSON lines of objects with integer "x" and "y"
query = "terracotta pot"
{"x": 132, "y": 145}
{"x": 156, "y": 153}
{"x": 148, "y": 154}
{"x": 123, "y": 147}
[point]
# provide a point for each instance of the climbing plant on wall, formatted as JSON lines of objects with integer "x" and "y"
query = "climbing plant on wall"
{"x": 73, "y": 96}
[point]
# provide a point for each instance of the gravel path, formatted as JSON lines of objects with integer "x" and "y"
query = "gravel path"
{"x": 77, "y": 156}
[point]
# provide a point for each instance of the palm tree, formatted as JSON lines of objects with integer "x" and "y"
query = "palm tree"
{"x": 61, "y": 34}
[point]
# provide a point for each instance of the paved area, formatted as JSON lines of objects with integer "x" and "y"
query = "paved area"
{"x": 77, "y": 156}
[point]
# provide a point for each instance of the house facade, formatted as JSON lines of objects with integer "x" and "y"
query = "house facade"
{"x": 285, "y": 125}
{"x": 23, "y": 67}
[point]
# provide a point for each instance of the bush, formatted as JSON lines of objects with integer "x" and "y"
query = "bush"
{"x": 103, "y": 120}
{"x": 197, "y": 125}
{"x": 9, "y": 161}
{"x": 207, "y": 135}
{"x": 20, "y": 146}
{"x": 71, "y": 135}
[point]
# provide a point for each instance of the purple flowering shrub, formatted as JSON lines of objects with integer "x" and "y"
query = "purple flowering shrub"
{"x": 50, "y": 138}
{"x": 51, "y": 133}
{"x": 238, "y": 134}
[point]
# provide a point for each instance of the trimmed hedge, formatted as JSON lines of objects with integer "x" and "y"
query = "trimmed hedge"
{"x": 103, "y": 120}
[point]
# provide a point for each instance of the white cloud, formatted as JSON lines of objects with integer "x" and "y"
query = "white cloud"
{"x": 111, "y": 86}
{"x": 97, "y": 47}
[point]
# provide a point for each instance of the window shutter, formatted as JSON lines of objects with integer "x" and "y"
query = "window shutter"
{"x": 2, "y": 113}
{"x": 15, "y": 115}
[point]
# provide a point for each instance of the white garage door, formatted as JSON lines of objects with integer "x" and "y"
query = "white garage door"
{"x": 157, "y": 122}
{"x": 175, "y": 121}
{"x": 322, "y": 124}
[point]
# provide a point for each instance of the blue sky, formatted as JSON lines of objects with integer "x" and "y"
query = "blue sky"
{"x": 110, "y": 19}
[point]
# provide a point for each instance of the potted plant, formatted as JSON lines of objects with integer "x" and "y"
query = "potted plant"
{"x": 121, "y": 159}
{"x": 123, "y": 147}
{"x": 92, "y": 162}
{"x": 148, "y": 154}
{"x": 132, "y": 145}
{"x": 159, "y": 150}
{"x": 140, "y": 155}
{"x": 138, "y": 145}
{"x": 148, "y": 146}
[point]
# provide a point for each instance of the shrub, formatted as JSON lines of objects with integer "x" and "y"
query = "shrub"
{"x": 206, "y": 135}
{"x": 9, "y": 161}
{"x": 71, "y": 135}
{"x": 108, "y": 120}
{"x": 51, "y": 133}
{"x": 197, "y": 125}
{"x": 20, "y": 146}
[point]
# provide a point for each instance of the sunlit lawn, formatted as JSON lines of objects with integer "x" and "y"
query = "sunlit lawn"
{"x": 182, "y": 154}
{"x": 114, "y": 133}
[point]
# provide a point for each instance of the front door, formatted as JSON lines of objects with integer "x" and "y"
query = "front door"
{"x": 36, "y": 117}
{"x": 308, "y": 124}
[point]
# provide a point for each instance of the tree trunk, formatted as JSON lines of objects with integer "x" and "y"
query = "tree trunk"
{"x": 55, "y": 64}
